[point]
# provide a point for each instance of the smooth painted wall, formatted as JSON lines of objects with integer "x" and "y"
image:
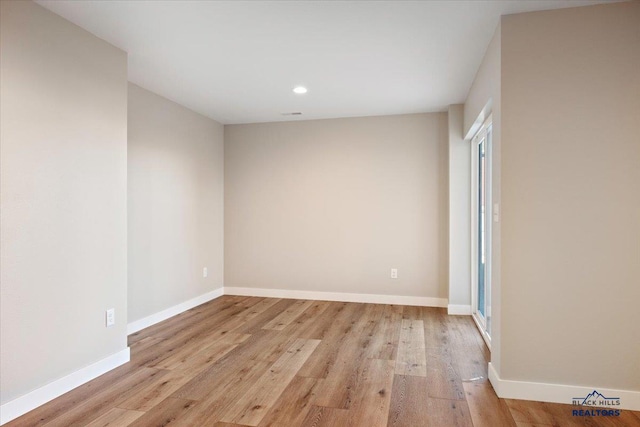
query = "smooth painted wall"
{"x": 459, "y": 210}
{"x": 175, "y": 203}
{"x": 571, "y": 196}
{"x": 63, "y": 113}
{"x": 333, "y": 205}
{"x": 485, "y": 89}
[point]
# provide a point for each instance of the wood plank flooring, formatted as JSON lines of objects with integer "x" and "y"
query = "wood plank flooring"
{"x": 276, "y": 362}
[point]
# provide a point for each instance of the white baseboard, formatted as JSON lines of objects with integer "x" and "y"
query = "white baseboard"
{"x": 23, "y": 404}
{"x": 459, "y": 310}
{"x": 557, "y": 393}
{"x": 337, "y": 296}
{"x": 145, "y": 322}
{"x": 282, "y": 293}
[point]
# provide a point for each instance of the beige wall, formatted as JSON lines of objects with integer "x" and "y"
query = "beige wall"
{"x": 485, "y": 89}
{"x": 333, "y": 205}
{"x": 175, "y": 203}
{"x": 484, "y": 99}
{"x": 459, "y": 210}
{"x": 571, "y": 196}
{"x": 63, "y": 185}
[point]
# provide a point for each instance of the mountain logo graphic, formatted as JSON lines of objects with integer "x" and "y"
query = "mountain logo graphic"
{"x": 595, "y": 398}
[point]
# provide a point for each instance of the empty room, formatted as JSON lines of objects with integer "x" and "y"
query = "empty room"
{"x": 320, "y": 213}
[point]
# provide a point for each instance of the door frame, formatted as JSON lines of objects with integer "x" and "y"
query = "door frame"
{"x": 479, "y": 319}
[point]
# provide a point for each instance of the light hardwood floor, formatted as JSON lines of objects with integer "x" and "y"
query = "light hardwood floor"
{"x": 281, "y": 362}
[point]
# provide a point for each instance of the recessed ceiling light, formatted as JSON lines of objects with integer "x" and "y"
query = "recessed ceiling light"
{"x": 300, "y": 90}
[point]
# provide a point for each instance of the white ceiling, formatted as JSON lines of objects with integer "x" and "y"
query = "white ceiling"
{"x": 237, "y": 62}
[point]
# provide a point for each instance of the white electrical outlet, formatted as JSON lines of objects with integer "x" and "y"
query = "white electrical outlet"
{"x": 111, "y": 317}
{"x": 205, "y": 272}
{"x": 394, "y": 273}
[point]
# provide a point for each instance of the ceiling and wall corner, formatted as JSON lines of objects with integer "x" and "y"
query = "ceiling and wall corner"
{"x": 237, "y": 62}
